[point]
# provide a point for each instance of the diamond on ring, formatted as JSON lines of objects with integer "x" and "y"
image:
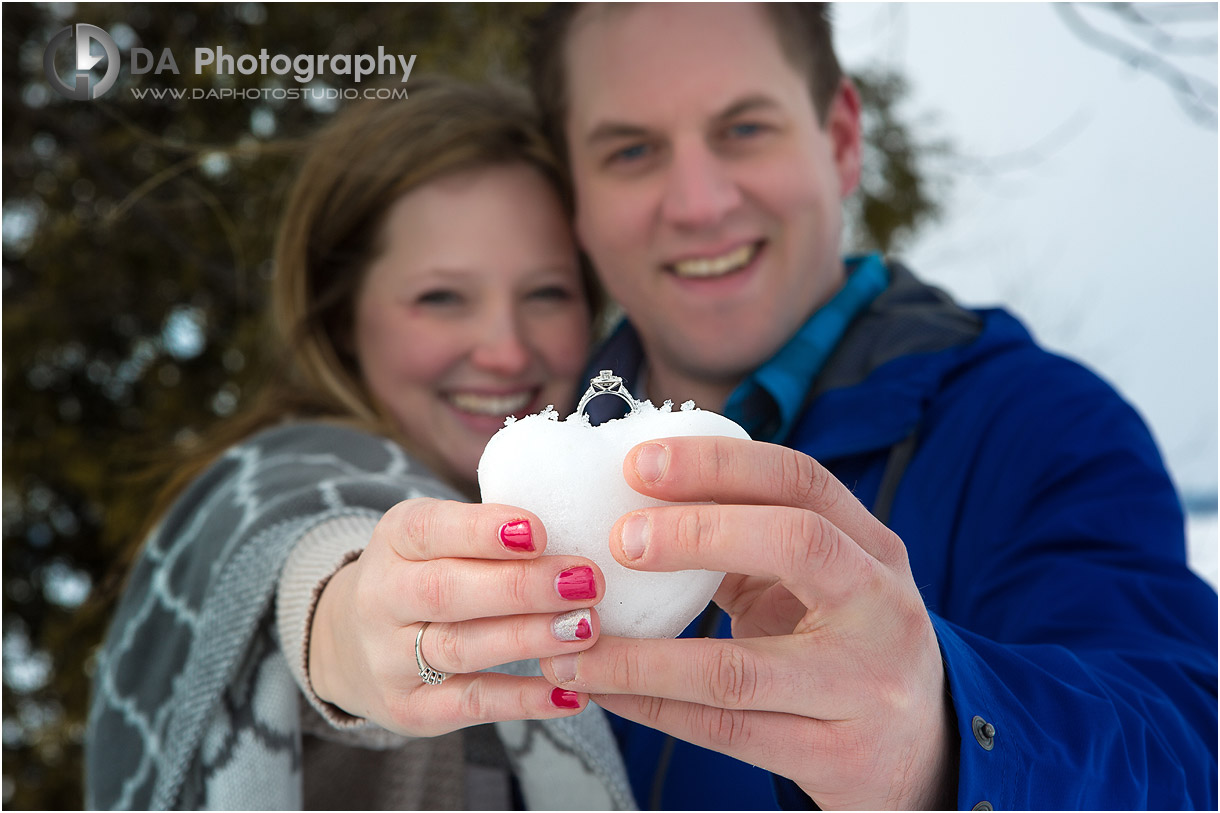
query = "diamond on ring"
{"x": 426, "y": 673}
{"x": 607, "y": 383}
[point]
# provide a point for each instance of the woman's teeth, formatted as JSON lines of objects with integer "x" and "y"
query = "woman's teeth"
{"x": 715, "y": 266}
{"x": 494, "y": 405}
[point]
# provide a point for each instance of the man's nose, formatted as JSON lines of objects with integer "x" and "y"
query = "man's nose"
{"x": 502, "y": 346}
{"x": 699, "y": 190}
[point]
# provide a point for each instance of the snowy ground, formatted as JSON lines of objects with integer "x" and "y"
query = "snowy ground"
{"x": 1201, "y": 541}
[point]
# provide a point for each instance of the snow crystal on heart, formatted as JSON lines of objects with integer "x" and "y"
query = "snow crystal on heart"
{"x": 570, "y": 474}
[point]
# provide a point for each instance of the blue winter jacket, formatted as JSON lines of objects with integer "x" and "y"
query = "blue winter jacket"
{"x": 1049, "y": 545}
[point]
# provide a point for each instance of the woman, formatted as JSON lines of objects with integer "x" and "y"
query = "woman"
{"x": 270, "y": 646}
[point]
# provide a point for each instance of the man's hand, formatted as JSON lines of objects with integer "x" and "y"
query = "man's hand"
{"x": 834, "y": 677}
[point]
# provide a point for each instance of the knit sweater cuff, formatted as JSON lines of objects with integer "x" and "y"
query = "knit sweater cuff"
{"x": 315, "y": 558}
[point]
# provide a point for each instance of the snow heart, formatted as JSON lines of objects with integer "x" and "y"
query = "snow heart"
{"x": 570, "y": 474}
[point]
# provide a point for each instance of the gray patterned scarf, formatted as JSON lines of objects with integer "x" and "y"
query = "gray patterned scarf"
{"x": 193, "y": 703}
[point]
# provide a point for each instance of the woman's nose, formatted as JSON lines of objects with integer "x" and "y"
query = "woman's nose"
{"x": 502, "y": 346}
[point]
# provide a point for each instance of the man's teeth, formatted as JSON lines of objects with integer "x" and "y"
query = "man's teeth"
{"x": 495, "y": 405}
{"x": 715, "y": 266}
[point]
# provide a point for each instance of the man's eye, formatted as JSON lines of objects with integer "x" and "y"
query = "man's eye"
{"x": 744, "y": 130}
{"x": 628, "y": 154}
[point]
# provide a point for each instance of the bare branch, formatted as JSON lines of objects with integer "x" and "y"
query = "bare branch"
{"x": 1157, "y": 36}
{"x": 1179, "y": 12}
{"x": 1196, "y": 96}
{"x": 1027, "y": 157}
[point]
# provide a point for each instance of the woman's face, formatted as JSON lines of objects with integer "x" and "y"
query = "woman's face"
{"x": 473, "y": 311}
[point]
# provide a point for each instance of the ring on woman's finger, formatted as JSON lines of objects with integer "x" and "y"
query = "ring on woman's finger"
{"x": 426, "y": 673}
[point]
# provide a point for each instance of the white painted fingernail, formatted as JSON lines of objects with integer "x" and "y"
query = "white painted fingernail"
{"x": 574, "y": 626}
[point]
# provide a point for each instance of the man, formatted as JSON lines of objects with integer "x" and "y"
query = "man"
{"x": 1024, "y": 634}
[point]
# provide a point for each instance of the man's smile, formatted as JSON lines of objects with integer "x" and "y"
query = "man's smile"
{"x": 726, "y": 263}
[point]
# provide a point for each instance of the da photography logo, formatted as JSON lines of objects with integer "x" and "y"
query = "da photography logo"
{"x": 86, "y": 35}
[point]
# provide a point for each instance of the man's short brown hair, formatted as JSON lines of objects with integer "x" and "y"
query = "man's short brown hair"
{"x": 803, "y": 31}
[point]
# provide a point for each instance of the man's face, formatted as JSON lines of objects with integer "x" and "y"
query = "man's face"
{"x": 708, "y": 195}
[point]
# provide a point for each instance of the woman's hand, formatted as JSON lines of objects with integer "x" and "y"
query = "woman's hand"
{"x": 477, "y": 574}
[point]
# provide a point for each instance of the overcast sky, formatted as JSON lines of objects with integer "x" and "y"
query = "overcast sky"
{"x": 1086, "y": 201}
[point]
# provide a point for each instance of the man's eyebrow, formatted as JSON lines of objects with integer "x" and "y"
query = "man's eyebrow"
{"x": 615, "y": 130}
{"x": 748, "y": 104}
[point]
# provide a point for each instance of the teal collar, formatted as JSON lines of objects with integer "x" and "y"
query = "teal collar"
{"x": 769, "y": 401}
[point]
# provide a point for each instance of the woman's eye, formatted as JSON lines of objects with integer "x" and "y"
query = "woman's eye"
{"x": 552, "y": 293}
{"x": 439, "y": 297}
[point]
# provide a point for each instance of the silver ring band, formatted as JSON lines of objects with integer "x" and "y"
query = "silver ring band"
{"x": 606, "y": 383}
{"x": 426, "y": 673}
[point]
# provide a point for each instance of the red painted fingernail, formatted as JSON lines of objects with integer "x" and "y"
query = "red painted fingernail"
{"x": 517, "y": 535}
{"x": 576, "y": 583}
{"x": 565, "y": 698}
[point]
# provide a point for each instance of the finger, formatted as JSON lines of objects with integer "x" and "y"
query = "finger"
{"x": 758, "y": 674}
{"x": 487, "y": 697}
{"x": 470, "y": 646}
{"x": 462, "y": 589}
{"x": 784, "y": 744}
{"x": 731, "y": 470}
{"x": 806, "y": 552}
{"x": 423, "y": 529}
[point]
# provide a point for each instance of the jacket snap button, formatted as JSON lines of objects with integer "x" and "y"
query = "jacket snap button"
{"x": 984, "y": 732}
{"x": 983, "y": 806}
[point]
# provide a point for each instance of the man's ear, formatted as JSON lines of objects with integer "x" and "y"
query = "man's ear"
{"x": 843, "y": 127}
